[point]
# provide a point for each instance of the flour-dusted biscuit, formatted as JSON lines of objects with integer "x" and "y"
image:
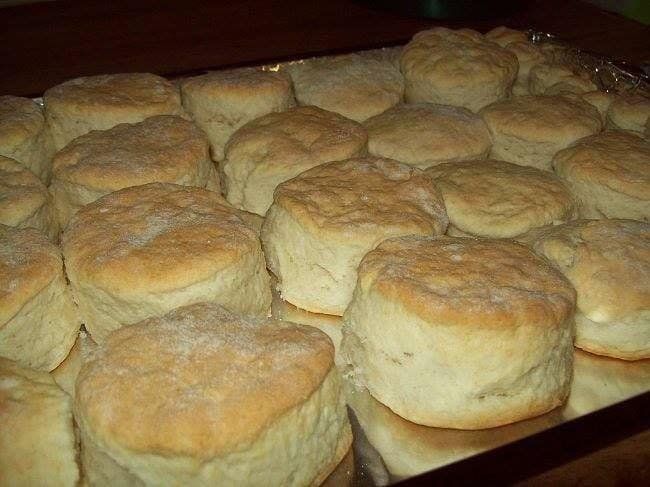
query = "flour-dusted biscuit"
{"x": 324, "y": 221}
{"x": 629, "y": 111}
{"x": 23, "y": 135}
{"x": 37, "y": 439}
{"x": 100, "y": 102}
{"x": 144, "y": 250}
{"x": 499, "y": 199}
{"x": 456, "y": 67}
{"x": 530, "y": 130}
{"x": 553, "y": 78}
{"x": 24, "y": 200}
{"x": 38, "y": 319}
{"x": 608, "y": 262}
{"x": 424, "y": 134}
{"x": 609, "y": 174}
{"x": 165, "y": 148}
{"x": 279, "y": 146}
{"x": 201, "y": 396}
{"x": 222, "y": 101}
{"x": 356, "y": 86}
{"x": 460, "y": 333}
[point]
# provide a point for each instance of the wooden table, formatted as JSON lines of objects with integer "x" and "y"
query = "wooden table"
{"x": 44, "y": 44}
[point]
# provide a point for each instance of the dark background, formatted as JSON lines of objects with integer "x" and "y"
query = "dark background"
{"x": 43, "y": 44}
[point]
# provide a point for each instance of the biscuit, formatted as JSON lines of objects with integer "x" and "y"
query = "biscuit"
{"x": 630, "y": 111}
{"x": 142, "y": 251}
{"x": 608, "y": 263}
{"x": 279, "y": 146}
{"x": 529, "y": 130}
{"x": 554, "y": 78}
{"x": 23, "y": 136}
{"x": 601, "y": 100}
{"x": 166, "y": 149}
{"x": 609, "y": 175}
{"x": 24, "y": 200}
{"x": 100, "y": 102}
{"x": 202, "y": 396}
{"x": 222, "y": 101}
{"x": 38, "y": 319}
{"x": 423, "y": 134}
{"x": 500, "y": 200}
{"x": 456, "y": 67}
{"x": 460, "y": 333}
{"x": 355, "y": 86}
{"x": 37, "y": 444}
{"x": 325, "y": 220}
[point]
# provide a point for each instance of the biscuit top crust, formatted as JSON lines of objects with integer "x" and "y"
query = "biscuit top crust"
{"x": 455, "y": 56}
{"x": 424, "y": 133}
{"x": 500, "y": 199}
{"x": 616, "y": 159}
{"x": 301, "y": 136}
{"x": 608, "y": 262}
{"x": 124, "y": 91}
{"x": 478, "y": 283}
{"x": 353, "y": 85}
{"x": 21, "y": 192}
{"x": 20, "y": 118}
{"x": 155, "y": 238}
{"x": 164, "y": 148}
{"x": 199, "y": 382}
{"x": 236, "y": 83}
{"x": 28, "y": 263}
{"x": 559, "y": 119}
{"x": 361, "y": 198}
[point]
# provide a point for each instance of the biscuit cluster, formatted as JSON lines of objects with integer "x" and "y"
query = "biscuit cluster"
{"x": 202, "y": 265}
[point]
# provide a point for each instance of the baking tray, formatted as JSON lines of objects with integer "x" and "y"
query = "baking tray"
{"x": 387, "y": 448}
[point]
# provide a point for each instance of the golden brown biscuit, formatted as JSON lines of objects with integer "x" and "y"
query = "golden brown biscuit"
{"x": 142, "y": 251}
{"x": 202, "y": 396}
{"x": 609, "y": 174}
{"x": 165, "y": 149}
{"x": 23, "y": 135}
{"x": 460, "y": 333}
